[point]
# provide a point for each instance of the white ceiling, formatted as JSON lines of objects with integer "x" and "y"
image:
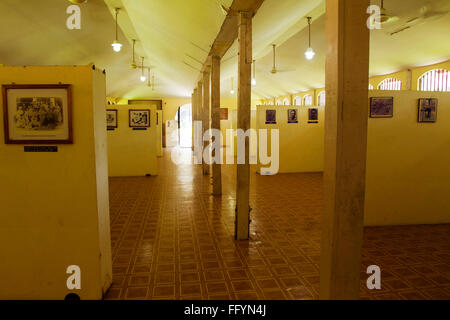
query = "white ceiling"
{"x": 173, "y": 33}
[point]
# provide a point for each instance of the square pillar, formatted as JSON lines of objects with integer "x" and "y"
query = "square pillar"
{"x": 347, "y": 76}
{"x": 215, "y": 122}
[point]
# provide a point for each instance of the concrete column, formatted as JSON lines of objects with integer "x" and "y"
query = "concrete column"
{"x": 199, "y": 117}
{"x": 243, "y": 122}
{"x": 205, "y": 108}
{"x": 215, "y": 122}
{"x": 347, "y": 74}
{"x": 194, "y": 116}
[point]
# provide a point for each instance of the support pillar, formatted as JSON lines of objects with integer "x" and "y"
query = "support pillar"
{"x": 205, "y": 108}
{"x": 243, "y": 122}
{"x": 347, "y": 74}
{"x": 199, "y": 115}
{"x": 215, "y": 122}
{"x": 194, "y": 118}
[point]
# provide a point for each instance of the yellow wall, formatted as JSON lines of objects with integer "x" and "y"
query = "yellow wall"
{"x": 132, "y": 152}
{"x": 408, "y": 176}
{"x": 54, "y": 207}
{"x": 408, "y": 172}
{"x": 301, "y": 144}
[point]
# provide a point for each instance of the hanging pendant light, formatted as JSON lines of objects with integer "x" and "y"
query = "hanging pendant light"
{"x": 148, "y": 77}
{"x": 143, "y": 77}
{"x": 309, "y": 54}
{"x": 133, "y": 63}
{"x": 232, "y": 86}
{"x": 117, "y": 46}
{"x": 254, "y": 73}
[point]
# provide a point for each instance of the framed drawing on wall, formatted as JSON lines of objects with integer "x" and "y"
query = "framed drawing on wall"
{"x": 139, "y": 118}
{"x": 313, "y": 115}
{"x": 428, "y": 110}
{"x": 37, "y": 114}
{"x": 381, "y": 107}
{"x": 271, "y": 117}
{"x": 292, "y": 116}
{"x": 111, "y": 119}
{"x": 223, "y": 113}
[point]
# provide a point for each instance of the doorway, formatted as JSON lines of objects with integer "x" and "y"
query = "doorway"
{"x": 184, "y": 120}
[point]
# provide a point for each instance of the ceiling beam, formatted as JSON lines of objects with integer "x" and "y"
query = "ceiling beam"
{"x": 229, "y": 31}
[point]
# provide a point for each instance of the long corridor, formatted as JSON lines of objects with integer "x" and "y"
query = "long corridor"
{"x": 171, "y": 239}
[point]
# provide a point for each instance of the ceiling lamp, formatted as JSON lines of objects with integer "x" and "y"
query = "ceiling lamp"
{"x": 78, "y": 1}
{"x": 117, "y": 46}
{"x": 143, "y": 77}
{"x": 309, "y": 54}
{"x": 232, "y": 86}
{"x": 254, "y": 73}
{"x": 133, "y": 64}
{"x": 148, "y": 77}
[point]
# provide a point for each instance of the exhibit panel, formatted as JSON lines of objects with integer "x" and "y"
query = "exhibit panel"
{"x": 54, "y": 206}
{"x": 133, "y": 143}
{"x": 408, "y": 176}
{"x": 301, "y": 136}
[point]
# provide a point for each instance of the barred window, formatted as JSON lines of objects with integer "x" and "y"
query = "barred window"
{"x": 435, "y": 80}
{"x": 297, "y": 101}
{"x": 370, "y": 87}
{"x": 321, "y": 97}
{"x": 390, "y": 84}
{"x": 308, "y": 100}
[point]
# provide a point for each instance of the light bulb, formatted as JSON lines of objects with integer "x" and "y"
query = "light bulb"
{"x": 309, "y": 54}
{"x": 117, "y": 46}
{"x": 253, "y": 82}
{"x": 232, "y": 91}
{"x": 143, "y": 79}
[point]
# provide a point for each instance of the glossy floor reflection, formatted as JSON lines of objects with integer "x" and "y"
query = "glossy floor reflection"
{"x": 172, "y": 240}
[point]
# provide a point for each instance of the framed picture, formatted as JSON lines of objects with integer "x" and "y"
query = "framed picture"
{"x": 428, "y": 110}
{"x": 111, "y": 118}
{"x": 139, "y": 118}
{"x": 381, "y": 107}
{"x": 37, "y": 114}
{"x": 223, "y": 113}
{"x": 292, "y": 116}
{"x": 313, "y": 115}
{"x": 271, "y": 116}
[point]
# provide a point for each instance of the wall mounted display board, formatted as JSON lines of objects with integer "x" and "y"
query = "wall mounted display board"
{"x": 381, "y": 107}
{"x": 271, "y": 117}
{"x": 313, "y": 115}
{"x": 139, "y": 118}
{"x": 292, "y": 116}
{"x": 428, "y": 110}
{"x": 37, "y": 114}
{"x": 111, "y": 119}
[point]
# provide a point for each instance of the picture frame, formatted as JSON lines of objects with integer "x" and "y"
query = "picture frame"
{"x": 427, "y": 110}
{"x": 292, "y": 115}
{"x": 37, "y": 113}
{"x": 271, "y": 116}
{"x": 223, "y": 113}
{"x": 139, "y": 118}
{"x": 112, "y": 120}
{"x": 313, "y": 115}
{"x": 381, "y": 107}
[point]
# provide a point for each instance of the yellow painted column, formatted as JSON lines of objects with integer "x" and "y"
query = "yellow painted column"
{"x": 215, "y": 122}
{"x": 206, "y": 81}
{"x": 199, "y": 115}
{"x": 347, "y": 74}
{"x": 243, "y": 122}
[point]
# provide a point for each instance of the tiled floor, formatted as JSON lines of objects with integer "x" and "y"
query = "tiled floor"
{"x": 172, "y": 240}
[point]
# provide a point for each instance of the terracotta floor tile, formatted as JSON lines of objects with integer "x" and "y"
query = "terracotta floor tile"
{"x": 172, "y": 240}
